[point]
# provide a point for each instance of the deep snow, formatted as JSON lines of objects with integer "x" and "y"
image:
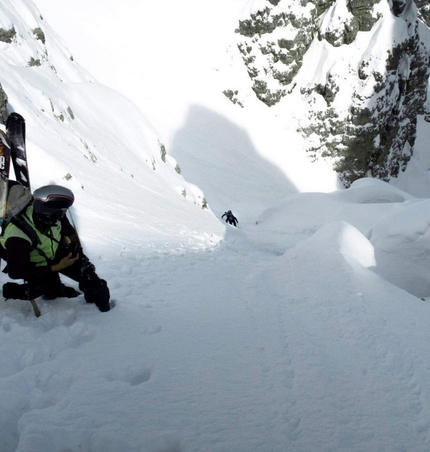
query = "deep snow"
{"x": 294, "y": 332}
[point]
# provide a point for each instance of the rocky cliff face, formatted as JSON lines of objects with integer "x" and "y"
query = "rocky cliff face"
{"x": 424, "y": 9}
{"x": 360, "y": 66}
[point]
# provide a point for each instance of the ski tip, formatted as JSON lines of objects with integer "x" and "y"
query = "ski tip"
{"x": 15, "y": 116}
{"x": 14, "y": 119}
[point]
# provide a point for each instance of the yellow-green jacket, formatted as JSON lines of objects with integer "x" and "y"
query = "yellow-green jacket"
{"x": 48, "y": 242}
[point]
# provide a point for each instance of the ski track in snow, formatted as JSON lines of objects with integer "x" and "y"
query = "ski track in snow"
{"x": 243, "y": 366}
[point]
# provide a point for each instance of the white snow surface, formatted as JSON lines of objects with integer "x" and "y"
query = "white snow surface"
{"x": 304, "y": 329}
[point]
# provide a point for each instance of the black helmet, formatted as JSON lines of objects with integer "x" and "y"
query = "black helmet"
{"x": 51, "y": 203}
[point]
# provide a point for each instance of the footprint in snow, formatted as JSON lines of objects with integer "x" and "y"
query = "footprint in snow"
{"x": 134, "y": 375}
{"x": 43, "y": 341}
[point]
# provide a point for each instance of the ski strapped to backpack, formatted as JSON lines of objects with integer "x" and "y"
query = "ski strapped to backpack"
{"x": 15, "y": 131}
{"x": 12, "y": 150}
{"x": 5, "y": 155}
{"x": 15, "y": 196}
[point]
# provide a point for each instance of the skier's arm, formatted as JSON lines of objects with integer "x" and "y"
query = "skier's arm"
{"x": 19, "y": 266}
{"x": 18, "y": 260}
{"x": 71, "y": 238}
{"x": 67, "y": 230}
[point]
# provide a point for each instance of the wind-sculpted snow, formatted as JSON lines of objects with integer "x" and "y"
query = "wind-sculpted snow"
{"x": 402, "y": 243}
{"x": 372, "y": 191}
{"x": 395, "y": 222}
{"x": 300, "y": 216}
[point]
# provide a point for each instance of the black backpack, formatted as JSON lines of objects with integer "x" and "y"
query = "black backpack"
{"x": 18, "y": 199}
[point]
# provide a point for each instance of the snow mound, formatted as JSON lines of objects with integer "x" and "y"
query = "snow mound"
{"x": 370, "y": 191}
{"x": 299, "y": 216}
{"x": 333, "y": 240}
{"x": 338, "y": 254}
{"x": 402, "y": 244}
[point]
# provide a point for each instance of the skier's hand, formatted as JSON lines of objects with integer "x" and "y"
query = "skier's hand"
{"x": 65, "y": 262}
{"x": 72, "y": 244}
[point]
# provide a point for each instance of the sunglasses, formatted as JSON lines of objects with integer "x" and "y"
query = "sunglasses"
{"x": 52, "y": 217}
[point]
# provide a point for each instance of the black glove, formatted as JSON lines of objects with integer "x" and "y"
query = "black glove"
{"x": 72, "y": 246}
{"x": 96, "y": 291}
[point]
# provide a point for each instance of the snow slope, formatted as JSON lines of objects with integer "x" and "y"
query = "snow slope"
{"x": 75, "y": 127}
{"x": 299, "y": 345}
{"x": 301, "y": 330}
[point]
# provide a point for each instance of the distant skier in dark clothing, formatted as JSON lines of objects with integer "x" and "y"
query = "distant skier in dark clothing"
{"x": 41, "y": 244}
{"x": 230, "y": 218}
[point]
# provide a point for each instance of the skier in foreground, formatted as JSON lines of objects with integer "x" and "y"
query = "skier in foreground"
{"x": 41, "y": 244}
{"x": 230, "y": 218}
